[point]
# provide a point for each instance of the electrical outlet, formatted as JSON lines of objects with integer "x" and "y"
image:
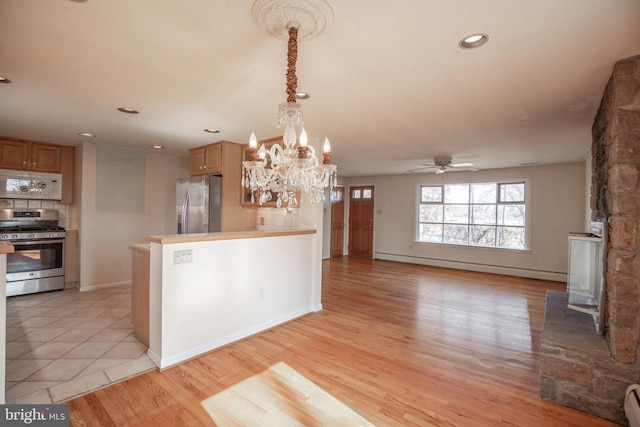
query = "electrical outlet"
{"x": 182, "y": 257}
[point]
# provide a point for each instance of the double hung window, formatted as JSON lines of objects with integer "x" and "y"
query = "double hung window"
{"x": 488, "y": 214}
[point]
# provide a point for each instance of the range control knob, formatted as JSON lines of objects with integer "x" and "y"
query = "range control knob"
{"x": 14, "y": 236}
{"x": 4, "y": 237}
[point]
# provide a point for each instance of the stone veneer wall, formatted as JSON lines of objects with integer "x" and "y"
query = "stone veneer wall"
{"x": 592, "y": 373}
{"x": 615, "y": 200}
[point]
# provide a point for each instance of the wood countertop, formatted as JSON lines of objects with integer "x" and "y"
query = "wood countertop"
{"x": 142, "y": 247}
{"x": 231, "y": 235}
{"x": 6, "y": 247}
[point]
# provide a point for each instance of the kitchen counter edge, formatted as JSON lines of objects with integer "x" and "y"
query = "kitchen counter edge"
{"x": 6, "y": 248}
{"x": 230, "y": 235}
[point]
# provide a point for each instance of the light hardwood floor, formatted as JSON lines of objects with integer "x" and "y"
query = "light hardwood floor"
{"x": 399, "y": 344}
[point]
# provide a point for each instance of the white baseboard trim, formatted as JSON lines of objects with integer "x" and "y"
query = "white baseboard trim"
{"x": 163, "y": 362}
{"x": 481, "y": 268}
{"x": 155, "y": 358}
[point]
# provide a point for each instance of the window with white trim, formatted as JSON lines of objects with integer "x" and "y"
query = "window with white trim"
{"x": 487, "y": 214}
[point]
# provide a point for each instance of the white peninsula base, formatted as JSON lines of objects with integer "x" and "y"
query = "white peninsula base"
{"x": 208, "y": 290}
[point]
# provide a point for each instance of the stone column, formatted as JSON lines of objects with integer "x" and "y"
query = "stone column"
{"x": 615, "y": 199}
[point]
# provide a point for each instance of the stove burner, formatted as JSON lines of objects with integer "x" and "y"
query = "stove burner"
{"x": 30, "y": 228}
{"x": 21, "y": 225}
{"x": 31, "y": 232}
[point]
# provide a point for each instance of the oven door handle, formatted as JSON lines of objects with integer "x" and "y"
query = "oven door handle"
{"x": 36, "y": 242}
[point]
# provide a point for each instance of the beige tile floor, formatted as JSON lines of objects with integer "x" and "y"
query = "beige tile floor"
{"x": 63, "y": 344}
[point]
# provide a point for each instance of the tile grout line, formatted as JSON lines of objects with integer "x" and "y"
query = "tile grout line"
{"x": 114, "y": 303}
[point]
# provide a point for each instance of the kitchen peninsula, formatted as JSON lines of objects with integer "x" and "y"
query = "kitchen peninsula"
{"x": 207, "y": 290}
{"x": 5, "y": 248}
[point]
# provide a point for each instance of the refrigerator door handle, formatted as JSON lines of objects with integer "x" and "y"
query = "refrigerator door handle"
{"x": 185, "y": 217}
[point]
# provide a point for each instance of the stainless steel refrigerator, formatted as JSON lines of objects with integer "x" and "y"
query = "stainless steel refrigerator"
{"x": 199, "y": 204}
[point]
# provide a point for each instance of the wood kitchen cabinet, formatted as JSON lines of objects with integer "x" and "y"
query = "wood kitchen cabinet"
{"x": 206, "y": 160}
{"x": 30, "y": 156}
{"x": 225, "y": 158}
{"x": 41, "y": 157}
{"x": 71, "y": 270}
{"x": 68, "y": 171}
{"x": 140, "y": 292}
{"x": 13, "y": 154}
{"x": 45, "y": 157}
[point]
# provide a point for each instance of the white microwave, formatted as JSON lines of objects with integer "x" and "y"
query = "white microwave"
{"x": 30, "y": 185}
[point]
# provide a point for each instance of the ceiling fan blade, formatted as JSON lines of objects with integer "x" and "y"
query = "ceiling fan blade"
{"x": 461, "y": 165}
{"x": 425, "y": 166}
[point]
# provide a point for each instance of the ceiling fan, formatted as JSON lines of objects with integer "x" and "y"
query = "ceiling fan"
{"x": 442, "y": 163}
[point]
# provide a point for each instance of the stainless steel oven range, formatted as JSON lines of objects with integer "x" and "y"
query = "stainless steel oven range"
{"x": 37, "y": 263}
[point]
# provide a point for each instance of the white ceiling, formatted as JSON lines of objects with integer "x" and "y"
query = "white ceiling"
{"x": 389, "y": 85}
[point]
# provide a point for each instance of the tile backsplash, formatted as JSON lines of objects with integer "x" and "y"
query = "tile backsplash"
{"x": 63, "y": 210}
{"x": 273, "y": 218}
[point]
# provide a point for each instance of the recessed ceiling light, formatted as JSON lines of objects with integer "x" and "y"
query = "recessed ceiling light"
{"x": 128, "y": 110}
{"x": 4, "y": 80}
{"x": 157, "y": 147}
{"x": 302, "y": 95}
{"x": 212, "y": 130}
{"x": 473, "y": 41}
{"x": 87, "y": 134}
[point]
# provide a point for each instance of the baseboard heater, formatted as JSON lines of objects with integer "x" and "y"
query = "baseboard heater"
{"x": 632, "y": 405}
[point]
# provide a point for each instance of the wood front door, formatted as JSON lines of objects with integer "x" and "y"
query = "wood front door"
{"x": 337, "y": 222}
{"x": 361, "y": 221}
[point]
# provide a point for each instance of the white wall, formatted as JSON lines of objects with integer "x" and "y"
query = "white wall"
{"x": 315, "y": 216}
{"x": 231, "y": 289}
{"x": 3, "y": 325}
{"x": 557, "y": 207}
{"x": 105, "y": 237}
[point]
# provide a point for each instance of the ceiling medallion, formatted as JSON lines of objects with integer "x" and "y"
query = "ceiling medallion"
{"x": 311, "y": 17}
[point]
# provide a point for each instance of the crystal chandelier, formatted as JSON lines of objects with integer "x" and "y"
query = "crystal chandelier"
{"x": 284, "y": 171}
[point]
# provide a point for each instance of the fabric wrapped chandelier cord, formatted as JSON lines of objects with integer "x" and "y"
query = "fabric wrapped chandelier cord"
{"x": 284, "y": 171}
{"x": 292, "y": 58}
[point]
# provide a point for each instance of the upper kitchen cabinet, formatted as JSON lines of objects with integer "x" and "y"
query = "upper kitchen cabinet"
{"x": 13, "y": 154}
{"x": 68, "y": 171}
{"x": 225, "y": 158}
{"x": 30, "y": 156}
{"x": 206, "y": 160}
{"x": 41, "y": 157}
{"x": 45, "y": 157}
